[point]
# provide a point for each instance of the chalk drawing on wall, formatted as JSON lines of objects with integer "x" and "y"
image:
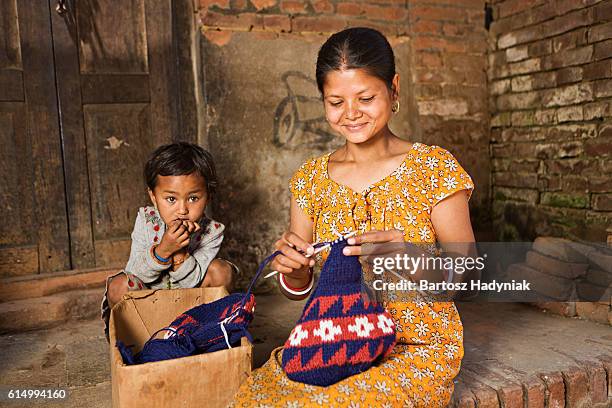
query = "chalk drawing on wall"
{"x": 299, "y": 118}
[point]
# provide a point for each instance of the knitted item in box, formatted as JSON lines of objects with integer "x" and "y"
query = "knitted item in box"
{"x": 202, "y": 329}
{"x": 340, "y": 332}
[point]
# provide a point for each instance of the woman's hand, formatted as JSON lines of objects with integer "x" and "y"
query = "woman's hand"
{"x": 372, "y": 237}
{"x": 292, "y": 260}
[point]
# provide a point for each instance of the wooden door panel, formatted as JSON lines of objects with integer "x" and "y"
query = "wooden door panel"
{"x": 10, "y": 47}
{"x": 115, "y": 88}
{"x": 118, "y": 143}
{"x": 16, "y": 189}
{"x": 112, "y": 36}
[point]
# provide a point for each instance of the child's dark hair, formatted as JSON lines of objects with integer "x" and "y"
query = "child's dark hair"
{"x": 180, "y": 159}
{"x": 357, "y": 48}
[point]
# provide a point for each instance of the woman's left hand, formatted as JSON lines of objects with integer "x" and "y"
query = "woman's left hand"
{"x": 371, "y": 237}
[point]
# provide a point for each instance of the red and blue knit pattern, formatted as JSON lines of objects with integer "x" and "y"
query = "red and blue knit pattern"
{"x": 340, "y": 332}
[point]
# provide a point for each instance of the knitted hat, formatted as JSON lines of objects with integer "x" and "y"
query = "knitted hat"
{"x": 205, "y": 328}
{"x": 340, "y": 332}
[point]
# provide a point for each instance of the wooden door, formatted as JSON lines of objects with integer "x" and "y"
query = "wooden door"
{"x": 33, "y": 224}
{"x": 87, "y": 90}
{"x": 115, "y": 74}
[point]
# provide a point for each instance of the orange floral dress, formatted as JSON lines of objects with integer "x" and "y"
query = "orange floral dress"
{"x": 420, "y": 370}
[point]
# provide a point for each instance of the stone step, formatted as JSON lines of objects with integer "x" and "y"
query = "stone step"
{"x": 33, "y": 286}
{"x": 48, "y": 311}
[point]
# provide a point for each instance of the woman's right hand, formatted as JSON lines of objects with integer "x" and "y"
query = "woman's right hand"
{"x": 292, "y": 261}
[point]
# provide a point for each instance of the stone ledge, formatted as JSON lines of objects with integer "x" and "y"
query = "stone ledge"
{"x": 34, "y": 286}
{"x": 48, "y": 311}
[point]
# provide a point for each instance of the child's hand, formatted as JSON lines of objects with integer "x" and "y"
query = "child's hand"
{"x": 175, "y": 238}
{"x": 191, "y": 226}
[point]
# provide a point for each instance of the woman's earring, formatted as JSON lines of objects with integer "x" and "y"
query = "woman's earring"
{"x": 395, "y": 107}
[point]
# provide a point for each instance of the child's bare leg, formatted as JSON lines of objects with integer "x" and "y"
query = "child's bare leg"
{"x": 117, "y": 287}
{"x": 220, "y": 273}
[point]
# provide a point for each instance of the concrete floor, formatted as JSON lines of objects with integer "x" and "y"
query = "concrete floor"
{"x": 506, "y": 338}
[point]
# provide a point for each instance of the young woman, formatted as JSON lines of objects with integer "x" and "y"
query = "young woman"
{"x": 390, "y": 190}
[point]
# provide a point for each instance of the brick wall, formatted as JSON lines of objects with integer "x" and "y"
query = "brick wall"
{"x": 447, "y": 61}
{"x": 550, "y": 85}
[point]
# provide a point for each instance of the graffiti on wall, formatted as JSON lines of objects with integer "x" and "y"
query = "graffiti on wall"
{"x": 299, "y": 118}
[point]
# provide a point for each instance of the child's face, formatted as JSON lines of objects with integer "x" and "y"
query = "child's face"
{"x": 357, "y": 104}
{"x": 180, "y": 197}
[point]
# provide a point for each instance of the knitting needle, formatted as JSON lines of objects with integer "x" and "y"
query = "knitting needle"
{"x": 317, "y": 250}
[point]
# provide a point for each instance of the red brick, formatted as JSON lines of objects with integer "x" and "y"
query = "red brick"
{"x": 576, "y": 387}
{"x": 540, "y": 48}
{"x": 603, "y": 88}
{"x": 511, "y": 396}
{"x": 598, "y": 70}
{"x": 520, "y": 36}
{"x": 564, "y": 6}
{"x": 437, "y": 13}
{"x": 485, "y": 397}
{"x": 350, "y": 9}
{"x": 607, "y": 364}
{"x": 246, "y": 21}
{"x": 238, "y": 4}
{"x": 428, "y": 59}
{"x": 569, "y": 40}
{"x": 317, "y": 24}
{"x": 205, "y": 4}
{"x": 385, "y": 13}
{"x": 426, "y": 26}
{"x": 293, "y": 6}
{"x": 437, "y": 44}
{"x": 457, "y": 30}
{"x": 598, "y": 389}
{"x": 603, "y": 50}
{"x": 323, "y": 6}
{"x": 534, "y": 391}
{"x": 567, "y": 22}
{"x": 603, "y": 11}
{"x": 576, "y": 56}
{"x": 555, "y": 390}
{"x": 592, "y": 310}
{"x": 277, "y": 23}
{"x": 510, "y": 7}
{"x": 263, "y": 4}
{"x": 602, "y": 202}
{"x": 569, "y": 75}
{"x": 600, "y": 32}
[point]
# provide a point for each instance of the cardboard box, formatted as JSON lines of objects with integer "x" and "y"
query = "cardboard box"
{"x": 209, "y": 379}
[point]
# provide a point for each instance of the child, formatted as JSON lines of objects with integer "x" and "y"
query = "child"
{"x": 173, "y": 243}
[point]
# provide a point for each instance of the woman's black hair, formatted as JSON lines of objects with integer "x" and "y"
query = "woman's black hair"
{"x": 180, "y": 159}
{"x": 357, "y": 48}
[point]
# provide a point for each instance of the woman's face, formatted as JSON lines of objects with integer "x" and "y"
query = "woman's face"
{"x": 357, "y": 104}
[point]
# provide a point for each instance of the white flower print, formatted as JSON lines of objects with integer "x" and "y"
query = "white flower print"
{"x": 346, "y": 389}
{"x": 302, "y": 202}
{"x": 293, "y": 404}
{"x": 431, "y": 162}
{"x": 422, "y": 352}
{"x": 399, "y": 203}
{"x": 432, "y": 313}
{"x": 398, "y": 226}
{"x": 309, "y": 388}
{"x": 327, "y": 331}
{"x": 363, "y": 227}
{"x": 450, "y": 182}
{"x": 416, "y": 373}
{"x": 404, "y": 380}
{"x": 362, "y": 326}
{"x": 408, "y": 315}
{"x": 451, "y": 349}
{"x": 353, "y": 404}
{"x": 333, "y": 201}
{"x": 385, "y": 324}
{"x": 300, "y": 184}
{"x": 382, "y": 387}
{"x": 436, "y": 337}
{"x": 283, "y": 382}
{"x": 362, "y": 385}
{"x": 260, "y": 396}
{"x": 297, "y": 335}
{"x": 450, "y": 164}
{"x": 410, "y": 218}
{"x": 326, "y": 216}
{"x": 424, "y": 233}
{"x": 428, "y": 372}
{"x": 342, "y": 190}
{"x": 422, "y": 328}
{"x": 406, "y": 193}
{"x": 320, "y": 398}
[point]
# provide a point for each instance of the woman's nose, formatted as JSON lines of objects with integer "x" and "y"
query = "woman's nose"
{"x": 352, "y": 111}
{"x": 182, "y": 208}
